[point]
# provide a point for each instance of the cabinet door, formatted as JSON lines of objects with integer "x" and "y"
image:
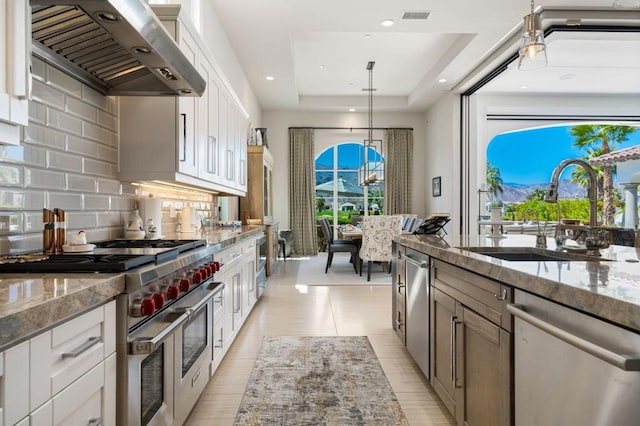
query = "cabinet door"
{"x": 208, "y": 138}
{"x": 223, "y": 123}
{"x": 188, "y": 107}
{"x": 15, "y": 48}
{"x": 399, "y": 294}
{"x": 485, "y": 374}
{"x": 249, "y": 280}
{"x": 443, "y": 364}
{"x": 14, "y": 392}
{"x": 218, "y": 328}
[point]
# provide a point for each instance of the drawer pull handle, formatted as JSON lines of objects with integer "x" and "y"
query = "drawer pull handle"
{"x": 83, "y": 348}
{"x": 502, "y": 295}
{"x": 96, "y": 421}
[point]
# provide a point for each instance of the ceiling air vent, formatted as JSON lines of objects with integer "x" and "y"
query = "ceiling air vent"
{"x": 416, "y": 15}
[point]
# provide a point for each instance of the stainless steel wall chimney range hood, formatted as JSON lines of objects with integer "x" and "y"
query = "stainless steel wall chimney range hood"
{"x": 118, "y": 47}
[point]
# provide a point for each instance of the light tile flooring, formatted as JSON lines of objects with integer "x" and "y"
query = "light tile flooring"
{"x": 289, "y": 310}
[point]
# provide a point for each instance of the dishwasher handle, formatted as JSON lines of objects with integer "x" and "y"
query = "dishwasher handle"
{"x": 421, "y": 264}
{"x": 623, "y": 362}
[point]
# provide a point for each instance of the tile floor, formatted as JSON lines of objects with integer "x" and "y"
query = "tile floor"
{"x": 289, "y": 310}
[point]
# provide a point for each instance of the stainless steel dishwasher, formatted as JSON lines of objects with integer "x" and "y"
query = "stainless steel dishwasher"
{"x": 571, "y": 368}
{"x": 417, "y": 310}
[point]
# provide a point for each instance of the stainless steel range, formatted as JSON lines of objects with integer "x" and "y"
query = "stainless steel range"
{"x": 164, "y": 320}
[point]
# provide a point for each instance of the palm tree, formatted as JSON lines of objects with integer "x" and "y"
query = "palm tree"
{"x": 599, "y": 139}
{"x": 494, "y": 181}
{"x": 537, "y": 194}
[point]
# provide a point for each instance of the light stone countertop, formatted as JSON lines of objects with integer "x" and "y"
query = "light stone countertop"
{"x": 608, "y": 289}
{"x": 32, "y": 303}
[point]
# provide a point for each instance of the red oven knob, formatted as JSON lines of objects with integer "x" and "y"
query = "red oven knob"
{"x": 184, "y": 285}
{"x": 173, "y": 291}
{"x": 216, "y": 265}
{"x": 205, "y": 272}
{"x": 197, "y": 277}
{"x": 147, "y": 307}
{"x": 159, "y": 299}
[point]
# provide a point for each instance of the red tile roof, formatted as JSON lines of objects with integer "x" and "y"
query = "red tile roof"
{"x": 621, "y": 156}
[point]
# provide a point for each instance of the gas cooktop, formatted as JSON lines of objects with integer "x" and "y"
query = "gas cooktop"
{"x": 108, "y": 256}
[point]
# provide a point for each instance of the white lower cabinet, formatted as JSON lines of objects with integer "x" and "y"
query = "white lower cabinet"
{"x": 63, "y": 376}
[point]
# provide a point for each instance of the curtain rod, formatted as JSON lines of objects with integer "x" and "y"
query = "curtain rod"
{"x": 352, "y": 128}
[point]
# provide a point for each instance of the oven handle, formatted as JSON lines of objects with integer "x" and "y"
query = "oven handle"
{"x": 148, "y": 345}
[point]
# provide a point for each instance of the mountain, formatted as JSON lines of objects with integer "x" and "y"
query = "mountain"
{"x": 517, "y": 192}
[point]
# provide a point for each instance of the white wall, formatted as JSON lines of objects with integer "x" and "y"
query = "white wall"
{"x": 442, "y": 157}
{"x": 278, "y": 123}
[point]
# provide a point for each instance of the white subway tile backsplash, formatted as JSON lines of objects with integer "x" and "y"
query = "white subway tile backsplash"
{"x": 106, "y": 186}
{"x": 17, "y": 199}
{"x": 97, "y": 202}
{"x": 42, "y": 135}
{"x": 14, "y": 154}
{"x": 24, "y": 154}
{"x": 33, "y": 221}
{"x": 63, "y": 161}
{"x": 78, "y": 183}
{"x": 109, "y": 219}
{"x": 122, "y": 204}
{"x": 38, "y": 69}
{"x": 63, "y": 81}
{"x": 108, "y": 154}
{"x": 101, "y": 234}
{"x": 96, "y": 133}
{"x": 95, "y": 98}
{"x": 65, "y": 200}
{"x": 63, "y": 121}
{"x": 82, "y": 146}
{"x": 108, "y": 120}
{"x": 37, "y": 113}
{"x": 17, "y": 244}
{"x": 46, "y": 179}
{"x": 77, "y": 220}
{"x": 11, "y": 223}
{"x": 98, "y": 168}
{"x": 114, "y": 105}
{"x": 10, "y": 175}
{"x": 47, "y": 95}
{"x": 82, "y": 109}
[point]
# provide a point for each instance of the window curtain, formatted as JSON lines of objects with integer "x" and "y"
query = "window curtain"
{"x": 398, "y": 154}
{"x": 302, "y": 182}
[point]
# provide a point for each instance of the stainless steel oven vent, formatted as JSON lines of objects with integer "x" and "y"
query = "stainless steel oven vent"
{"x": 117, "y": 47}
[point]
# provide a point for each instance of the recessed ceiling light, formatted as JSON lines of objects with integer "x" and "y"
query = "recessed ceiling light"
{"x": 321, "y": 67}
{"x": 367, "y": 36}
{"x": 387, "y": 23}
{"x": 350, "y": 84}
{"x": 352, "y": 110}
{"x": 567, "y": 76}
{"x": 523, "y": 87}
{"x": 442, "y": 80}
{"x": 270, "y": 78}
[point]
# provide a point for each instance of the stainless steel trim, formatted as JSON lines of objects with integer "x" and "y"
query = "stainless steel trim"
{"x": 118, "y": 47}
{"x": 623, "y": 362}
{"x": 423, "y": 264}
{"x": 83, "y": 348}
{"x": 148, "y": 345}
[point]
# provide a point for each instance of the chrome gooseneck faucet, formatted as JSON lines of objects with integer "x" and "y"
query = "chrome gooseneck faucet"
{"x": 552, "y": 193}
{"x": 597, "y": 238}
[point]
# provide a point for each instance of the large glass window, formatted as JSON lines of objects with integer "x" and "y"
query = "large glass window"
{"x": 338, "y": 193}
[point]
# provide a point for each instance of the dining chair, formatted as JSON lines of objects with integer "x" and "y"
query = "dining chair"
{"x": 377, "y": 240}
{"x": 337, "y": 246}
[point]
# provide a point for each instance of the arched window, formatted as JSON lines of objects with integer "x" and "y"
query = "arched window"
{"x": 338, "y": 193}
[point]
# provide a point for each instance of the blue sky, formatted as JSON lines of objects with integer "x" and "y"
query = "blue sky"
{"x": 530, "y": 156}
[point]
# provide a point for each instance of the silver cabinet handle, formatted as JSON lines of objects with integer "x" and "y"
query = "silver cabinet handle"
{"x": 422, "y": 264}
{"x": 183, "y": 156}
{"x": 623, "y": 362}
{"x": 502, "y": 295}
{"x": 96, "y": 421}
{"x": 453, "y": 350}
{"x": 83, "y": 348}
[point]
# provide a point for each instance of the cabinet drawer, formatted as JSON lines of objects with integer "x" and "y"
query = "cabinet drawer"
{"x": 61, "y": 355}
{"x": 14, "y": 395}
{"x": 487, "y": 297}
{"x": 218, "y": 306}
{"x": 228, "y": 256}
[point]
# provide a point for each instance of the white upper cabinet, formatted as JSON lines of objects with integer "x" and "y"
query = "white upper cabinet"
{"x": 188, "y": 140}
{"x": 15, "y": 57}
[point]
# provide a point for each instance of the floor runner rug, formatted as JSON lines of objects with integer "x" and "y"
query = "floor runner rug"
{"x": 318, "y": 381}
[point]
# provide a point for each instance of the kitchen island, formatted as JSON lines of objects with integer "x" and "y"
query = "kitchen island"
{"x": 512, "y": 327}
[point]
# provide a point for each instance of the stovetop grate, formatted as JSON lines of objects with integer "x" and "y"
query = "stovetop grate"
{"x": 79, "y": 263}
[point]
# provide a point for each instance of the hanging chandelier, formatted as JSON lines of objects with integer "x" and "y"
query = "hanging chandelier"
{"x": 372, "y": 170}
{"x": 533, "y": 51}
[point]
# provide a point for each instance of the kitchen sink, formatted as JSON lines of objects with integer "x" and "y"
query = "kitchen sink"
{"x": 530, "y": 254}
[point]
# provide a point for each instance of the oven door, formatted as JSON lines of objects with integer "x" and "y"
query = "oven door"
{"x": 193, "y": 353}
{"x": 150, "y": 387}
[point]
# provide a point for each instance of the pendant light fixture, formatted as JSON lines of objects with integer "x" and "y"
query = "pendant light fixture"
{"x": 372, "y": 170}
{"x": 533, "y": 51}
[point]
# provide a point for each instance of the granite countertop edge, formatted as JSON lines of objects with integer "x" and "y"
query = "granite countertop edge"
{"x": 570, "y": 291}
